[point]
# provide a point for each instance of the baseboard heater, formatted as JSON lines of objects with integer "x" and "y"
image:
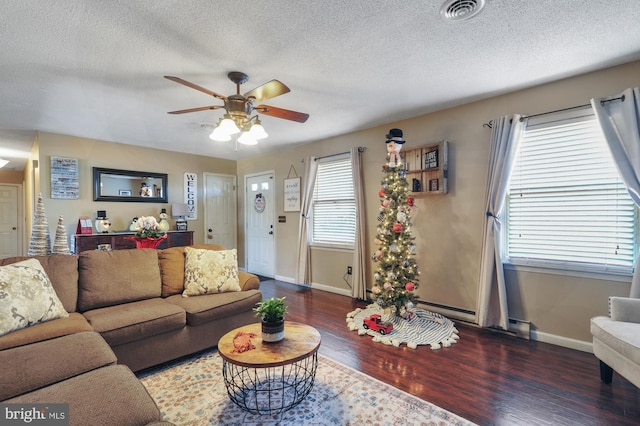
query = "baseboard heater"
{"x": 453, "y": 312}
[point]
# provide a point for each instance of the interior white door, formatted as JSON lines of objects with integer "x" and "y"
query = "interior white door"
{"x": 10, "y": 231}
{"x": 220, "y": 210}
{"x": 259, "y": 211}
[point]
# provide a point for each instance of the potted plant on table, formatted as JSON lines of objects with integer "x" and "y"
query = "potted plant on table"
{"x": 148, "y": 232}
{"x": 272, "y": 311}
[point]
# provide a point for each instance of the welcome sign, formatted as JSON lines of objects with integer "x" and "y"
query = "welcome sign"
{"x": 191, "y": 194}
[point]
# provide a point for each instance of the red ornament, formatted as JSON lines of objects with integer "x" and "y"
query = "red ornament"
{"x": 397, "y": 227}
{"x": 410, "y": 286}
{"x": 410, "y": 201}
{"x": 381, "y": 193}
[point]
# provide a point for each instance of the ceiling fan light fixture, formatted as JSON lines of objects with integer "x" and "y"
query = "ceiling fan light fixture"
{"x": 247, "y": 139}
{"x": 219, "y": 135}
{"x": 257, "y": 131}
{"x": 228, "y": 126}
{"x": 3, "y": 162}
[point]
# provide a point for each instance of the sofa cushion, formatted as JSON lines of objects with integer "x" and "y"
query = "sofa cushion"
{"x": 110, "y": 395}
{"x": 622, "y": 337}
{"x": 108, "y": 278}
{"x": 210, "y": 271}
{"x": 172, "y": 267}
{"x": 62, "y": 270}
{"x": 33, "y": 366}
{"x": 210, "y": 307}
{"x": 74, "y": 323}
{"x": 128, "y": 322}
{"x": 27, "y": 296}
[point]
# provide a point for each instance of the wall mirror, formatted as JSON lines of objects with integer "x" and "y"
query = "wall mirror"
{"x": 127, "y": 185}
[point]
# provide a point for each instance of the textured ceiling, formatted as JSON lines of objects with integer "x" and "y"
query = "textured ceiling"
{"x": 95, "y": 68}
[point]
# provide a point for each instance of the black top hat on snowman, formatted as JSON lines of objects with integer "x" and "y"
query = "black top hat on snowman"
{"x": 395, "y": 135}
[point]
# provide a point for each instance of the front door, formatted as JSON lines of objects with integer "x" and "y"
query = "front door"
{"x": 259, "y": 211}
{"x": 10, "y": 229}
{"x": 220, "y": 210}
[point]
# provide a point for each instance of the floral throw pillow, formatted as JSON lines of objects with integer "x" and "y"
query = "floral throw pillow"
{"x": 210, "y": 271}
{"x": 27, "y": 296}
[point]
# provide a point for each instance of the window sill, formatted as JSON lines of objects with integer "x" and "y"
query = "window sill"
{"x": 617, "y": 276}
{"x": 332, "y": 247}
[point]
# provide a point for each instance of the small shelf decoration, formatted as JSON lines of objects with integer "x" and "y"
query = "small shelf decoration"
{"x": 431, "y": 159}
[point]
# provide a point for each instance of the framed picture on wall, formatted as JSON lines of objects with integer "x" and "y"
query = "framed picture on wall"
{"x": 292, "y": 195}
{"x": 64, "y": 178}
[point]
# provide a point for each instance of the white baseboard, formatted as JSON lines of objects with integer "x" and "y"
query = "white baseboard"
{"x": 330, "y": 289}
{"x": 316, "y": 286}
{"x": 566, "y": 342}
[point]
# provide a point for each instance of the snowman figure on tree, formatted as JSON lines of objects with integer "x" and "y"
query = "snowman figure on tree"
{"x": 394, "y": 145}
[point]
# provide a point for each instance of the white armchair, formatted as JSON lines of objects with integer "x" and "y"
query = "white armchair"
{"x": 616, "y": 340}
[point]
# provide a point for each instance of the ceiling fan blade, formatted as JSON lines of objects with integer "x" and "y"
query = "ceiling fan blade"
{"x": 268, "y": 90}
{"x": 287, "y": 114}
{"x": 195, "y": 86}
{"x": 184, "y": 111}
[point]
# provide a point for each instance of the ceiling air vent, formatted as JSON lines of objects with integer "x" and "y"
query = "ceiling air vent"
{"x": 460, "y": 10}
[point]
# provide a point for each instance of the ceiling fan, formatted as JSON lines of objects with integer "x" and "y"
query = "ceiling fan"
{"x": 240, "y": 107}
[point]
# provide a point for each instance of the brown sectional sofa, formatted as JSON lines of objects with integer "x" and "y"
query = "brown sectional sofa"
{"x": 126, "y": 313}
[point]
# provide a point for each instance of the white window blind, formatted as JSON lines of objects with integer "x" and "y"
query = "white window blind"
{"x": 567, "y": 205}
{"x": 334, "y": 207}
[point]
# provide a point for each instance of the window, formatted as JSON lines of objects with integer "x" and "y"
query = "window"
{"x": 567, "y": 208}
{"x": 334, "y": 206}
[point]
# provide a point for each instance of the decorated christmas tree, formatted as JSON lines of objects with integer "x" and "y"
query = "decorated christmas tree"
{"x": 396, "y": 272}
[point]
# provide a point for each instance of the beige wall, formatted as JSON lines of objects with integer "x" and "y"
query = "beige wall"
{"x": 448, "y": 228}
{"x": 93, "y": 153}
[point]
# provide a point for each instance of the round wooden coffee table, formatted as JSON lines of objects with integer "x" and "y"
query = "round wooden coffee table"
{"x": 273, "y": 377}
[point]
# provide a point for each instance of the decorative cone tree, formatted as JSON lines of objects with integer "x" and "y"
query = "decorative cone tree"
{"x": 60, "y": 244}
{"x": 40, "y": 243}
{"x": 396, "y": 273}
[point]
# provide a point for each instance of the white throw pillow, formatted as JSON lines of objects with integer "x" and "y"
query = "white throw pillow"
{"x": 210, "y": 271}
{"x": 27, "y": 296}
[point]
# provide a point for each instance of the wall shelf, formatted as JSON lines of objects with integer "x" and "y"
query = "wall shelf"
{"x": 426, "y": 169}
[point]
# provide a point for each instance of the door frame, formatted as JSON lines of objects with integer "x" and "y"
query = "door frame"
{"x": 22, "y": 220}
{"x": 248, "y": 205}
{"x": 205, "y": 190}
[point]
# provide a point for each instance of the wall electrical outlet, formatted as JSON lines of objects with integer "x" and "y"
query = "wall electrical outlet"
{"x": 349, "y": 270}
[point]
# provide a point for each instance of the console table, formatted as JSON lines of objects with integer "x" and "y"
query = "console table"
{"x": 118, "y": 242}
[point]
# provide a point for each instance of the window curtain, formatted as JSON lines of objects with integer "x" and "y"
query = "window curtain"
{"x": 359, "y": 286}
{"x": 492, "y": 310}
{"x": 303, "y": 271}
{"x": 619, "y": 119}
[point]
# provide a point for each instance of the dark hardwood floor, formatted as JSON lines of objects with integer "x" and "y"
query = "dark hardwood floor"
{"x": 488, "y": 378}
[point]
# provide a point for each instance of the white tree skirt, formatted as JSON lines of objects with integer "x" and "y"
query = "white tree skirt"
{"x": 424, "y": 328}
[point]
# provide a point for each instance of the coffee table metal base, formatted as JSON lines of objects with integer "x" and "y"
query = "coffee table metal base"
{"x": 270, "y": 390}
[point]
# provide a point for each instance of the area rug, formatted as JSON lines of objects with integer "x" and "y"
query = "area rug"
{"x": 422, "y": 328}
{"x": 192, "y": 392}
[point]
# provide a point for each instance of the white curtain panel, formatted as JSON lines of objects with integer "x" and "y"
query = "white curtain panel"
{"x": 492, "y": 310}
{"x": 359, "y": 286}
{"x": 619, "y": 118}
{"x": 303, "y": 271}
